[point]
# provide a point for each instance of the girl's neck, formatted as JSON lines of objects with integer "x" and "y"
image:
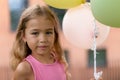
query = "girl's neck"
{"x": 45, "y": 59}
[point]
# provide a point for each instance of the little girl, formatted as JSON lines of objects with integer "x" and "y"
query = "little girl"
{"x": 37, "y": 53}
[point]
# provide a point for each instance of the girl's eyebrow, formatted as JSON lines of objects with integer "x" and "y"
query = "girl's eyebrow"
{"x": 34, "y": 29}
{"x": 45, "y": 29}
{"x": 50, "y": 29}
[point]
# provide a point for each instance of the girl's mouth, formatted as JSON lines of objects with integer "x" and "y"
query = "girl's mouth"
{"x": 42, "y": 47}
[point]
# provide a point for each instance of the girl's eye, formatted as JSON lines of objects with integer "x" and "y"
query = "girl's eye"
{"x": 34, "y": 33}
{"x": 49, "y": 32}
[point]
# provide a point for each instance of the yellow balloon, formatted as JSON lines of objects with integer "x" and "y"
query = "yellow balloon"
{"x": 64, "y": 4}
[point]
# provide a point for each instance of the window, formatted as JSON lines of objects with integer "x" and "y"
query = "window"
{"x": 66, "y": 52}
{"x": 100, "y": 58}
{"x": 60, "y": 13}
{"x": 16, "y": 8}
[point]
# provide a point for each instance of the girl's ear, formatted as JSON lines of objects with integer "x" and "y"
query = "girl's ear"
{"x": 24, "y": 38}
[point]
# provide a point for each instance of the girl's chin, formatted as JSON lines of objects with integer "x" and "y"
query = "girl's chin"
{"x": 41, "y": 52}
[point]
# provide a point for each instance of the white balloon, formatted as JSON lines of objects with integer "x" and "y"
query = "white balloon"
{"x": 78, "y": 27}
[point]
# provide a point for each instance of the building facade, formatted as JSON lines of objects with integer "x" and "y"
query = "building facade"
{"x": 79, "y": 59}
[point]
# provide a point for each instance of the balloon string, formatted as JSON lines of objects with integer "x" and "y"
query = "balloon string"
{"x": 96, "y": 75}
{"x": 94, "y": 48}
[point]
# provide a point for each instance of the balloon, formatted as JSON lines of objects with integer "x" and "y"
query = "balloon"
{"x": 78, "y": 27}
{"x": 107, "y": 11}
{"x": 64, "y": 4}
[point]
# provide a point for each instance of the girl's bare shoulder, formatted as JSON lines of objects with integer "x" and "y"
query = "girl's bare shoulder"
{"x": 23, "y": 71}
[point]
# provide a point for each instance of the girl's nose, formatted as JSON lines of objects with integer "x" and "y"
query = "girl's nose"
{"x": 42, "y": 38}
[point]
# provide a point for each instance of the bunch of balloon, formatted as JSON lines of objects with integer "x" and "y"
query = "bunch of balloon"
{"x": 64, "y": 4}
{"x": 78, "y": 27}
{"x": 107, "y": 12}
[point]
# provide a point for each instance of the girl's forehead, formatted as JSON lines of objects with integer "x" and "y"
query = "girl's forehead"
{"x": 40, "y": 22}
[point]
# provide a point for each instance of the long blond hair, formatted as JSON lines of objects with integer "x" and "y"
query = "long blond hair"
{"x": 20, "y": 49}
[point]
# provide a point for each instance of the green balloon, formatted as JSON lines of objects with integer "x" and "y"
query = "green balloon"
{"x": 106, "y": 11}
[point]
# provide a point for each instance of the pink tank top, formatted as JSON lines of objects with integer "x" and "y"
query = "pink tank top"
{"x": 41, "y": 71}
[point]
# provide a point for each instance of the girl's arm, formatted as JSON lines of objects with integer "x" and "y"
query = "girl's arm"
{"x": 23, "y": 72}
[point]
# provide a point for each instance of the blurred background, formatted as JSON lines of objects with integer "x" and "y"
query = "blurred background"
{"x": 80, "y": 60}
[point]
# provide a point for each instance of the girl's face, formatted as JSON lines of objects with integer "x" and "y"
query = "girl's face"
{"x": 39, "y": 35}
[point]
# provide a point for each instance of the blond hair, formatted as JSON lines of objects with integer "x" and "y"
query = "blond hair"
{"x": 20, "y": 49}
